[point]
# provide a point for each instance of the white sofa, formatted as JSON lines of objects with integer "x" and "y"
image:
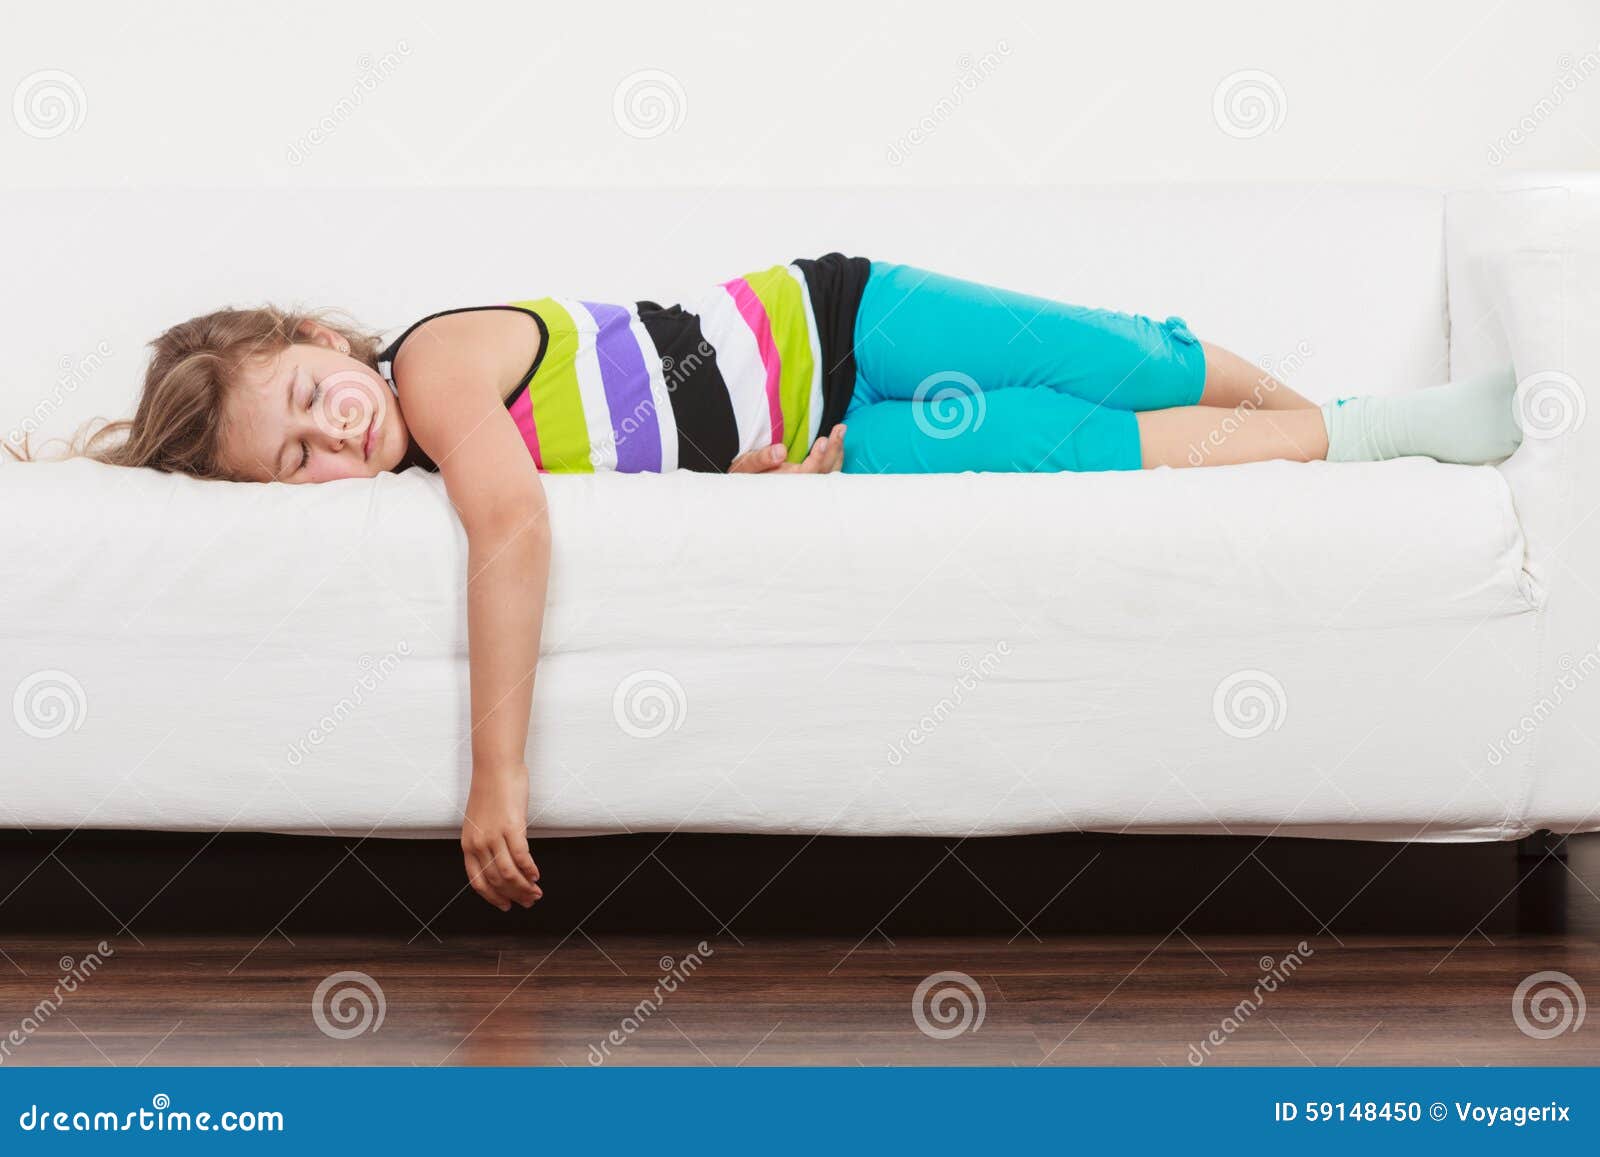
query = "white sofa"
{"x": 1403, "y": 650}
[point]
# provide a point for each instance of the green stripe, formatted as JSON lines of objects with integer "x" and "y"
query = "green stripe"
{"x": 557, "y": 405}
{"x": 786, "y": 313}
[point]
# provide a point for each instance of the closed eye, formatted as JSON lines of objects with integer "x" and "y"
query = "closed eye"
{"x": 311, "y": 401}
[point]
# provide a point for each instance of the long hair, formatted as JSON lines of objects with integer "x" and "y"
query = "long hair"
{"x": 177, "y": 427}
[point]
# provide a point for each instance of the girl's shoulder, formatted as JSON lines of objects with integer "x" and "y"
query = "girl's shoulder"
{"x": 502, "y": 342}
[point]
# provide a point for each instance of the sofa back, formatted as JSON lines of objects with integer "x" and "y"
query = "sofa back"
{"x": 1339, "y": 288}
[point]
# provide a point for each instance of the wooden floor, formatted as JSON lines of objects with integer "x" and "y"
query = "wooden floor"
{"x": 1128, "y": 1000}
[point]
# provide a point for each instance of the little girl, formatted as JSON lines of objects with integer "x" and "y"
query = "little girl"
{"x": 760, "y": 374}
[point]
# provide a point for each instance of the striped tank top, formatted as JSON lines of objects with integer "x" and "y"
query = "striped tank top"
{"x": 767, "y": 357}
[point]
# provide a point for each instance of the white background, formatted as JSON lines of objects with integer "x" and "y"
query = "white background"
{"x": 820, "y": 92}
{"x": 114, "y": 104}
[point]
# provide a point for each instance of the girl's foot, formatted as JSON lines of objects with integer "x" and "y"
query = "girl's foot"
{"x": 1471, "y": 421}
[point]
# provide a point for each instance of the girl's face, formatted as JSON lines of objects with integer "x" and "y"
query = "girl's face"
{"x": 312, "y": 413}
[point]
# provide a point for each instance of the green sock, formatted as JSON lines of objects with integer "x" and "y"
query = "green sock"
{"x": 1471, "y": 421}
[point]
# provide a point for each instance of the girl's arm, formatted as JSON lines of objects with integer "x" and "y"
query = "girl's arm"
{"x": 453, "y": 374}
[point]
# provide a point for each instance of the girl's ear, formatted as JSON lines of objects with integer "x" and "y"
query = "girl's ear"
{"x": 316, "y": 333}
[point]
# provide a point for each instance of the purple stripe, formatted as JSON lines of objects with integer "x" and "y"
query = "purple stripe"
{"x": 634, "y": 422}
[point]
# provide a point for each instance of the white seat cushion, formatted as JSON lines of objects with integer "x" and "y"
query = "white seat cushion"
{"x": 951, "y": 655}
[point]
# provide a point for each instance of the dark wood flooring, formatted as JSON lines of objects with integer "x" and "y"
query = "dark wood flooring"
{"x": 548, "y": 1001}
{"x": 1076, "y": 952}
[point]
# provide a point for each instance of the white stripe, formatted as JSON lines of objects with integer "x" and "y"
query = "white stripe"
{"x": 814, "y": 411}
{"x": 591, "y": 387}
{"x": 666, "y": 420}
{"x": 739, "y": 362}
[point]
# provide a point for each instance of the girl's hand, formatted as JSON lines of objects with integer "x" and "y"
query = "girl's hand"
{"x": 827, "y": 456}
{"x": 494, "y": 838}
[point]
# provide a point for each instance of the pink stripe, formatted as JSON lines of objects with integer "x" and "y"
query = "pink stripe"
{"x": 755, "y": 316}
{"x": 522, "y": 414}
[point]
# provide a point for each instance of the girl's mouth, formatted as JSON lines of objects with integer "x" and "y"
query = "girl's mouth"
{"x": 371, "y": 439}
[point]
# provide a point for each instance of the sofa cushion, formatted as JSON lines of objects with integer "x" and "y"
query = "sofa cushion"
{"x": 1314, "y": 648}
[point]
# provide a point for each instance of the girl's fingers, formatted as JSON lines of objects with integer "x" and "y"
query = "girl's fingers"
{"x": 508, "y": 884}
{"x": 513, "y": 884}
{"x": 757, "y": 461}
{"x": 524, "y": 859}
{"x": 480, "y": 882}
{"x": 497, "y": 872}
{"x": 496, "y": 892}
{"x": 827, "y": 457}
{"x": 524, "y": 863}
{"x": 816, "y": 460}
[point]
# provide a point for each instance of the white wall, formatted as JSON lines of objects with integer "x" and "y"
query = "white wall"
{"x": 305, "y": 97}
{"x": 825, "y": 91}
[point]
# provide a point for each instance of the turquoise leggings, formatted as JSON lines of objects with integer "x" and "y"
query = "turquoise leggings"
{"x": 952, "y": 375}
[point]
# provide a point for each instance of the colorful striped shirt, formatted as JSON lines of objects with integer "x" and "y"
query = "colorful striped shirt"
{"x": 767, "y": 357}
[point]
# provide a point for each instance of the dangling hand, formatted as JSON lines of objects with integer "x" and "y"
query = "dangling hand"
{"x": 494, "y": 838}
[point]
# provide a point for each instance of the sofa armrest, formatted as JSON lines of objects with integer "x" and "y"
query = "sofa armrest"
{"x": 1522, "y": 263}
{"x": 1524, "y": 269}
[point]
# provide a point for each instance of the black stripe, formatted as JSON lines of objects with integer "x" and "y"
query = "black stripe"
{"x": 708, "y": 433}
{"x": 835, "y": 283}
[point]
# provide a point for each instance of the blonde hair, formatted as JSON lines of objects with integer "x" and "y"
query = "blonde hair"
{"x": 177, "y": 427}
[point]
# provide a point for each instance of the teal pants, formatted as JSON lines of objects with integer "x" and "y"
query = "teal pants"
{"x": 953, "y": 375}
